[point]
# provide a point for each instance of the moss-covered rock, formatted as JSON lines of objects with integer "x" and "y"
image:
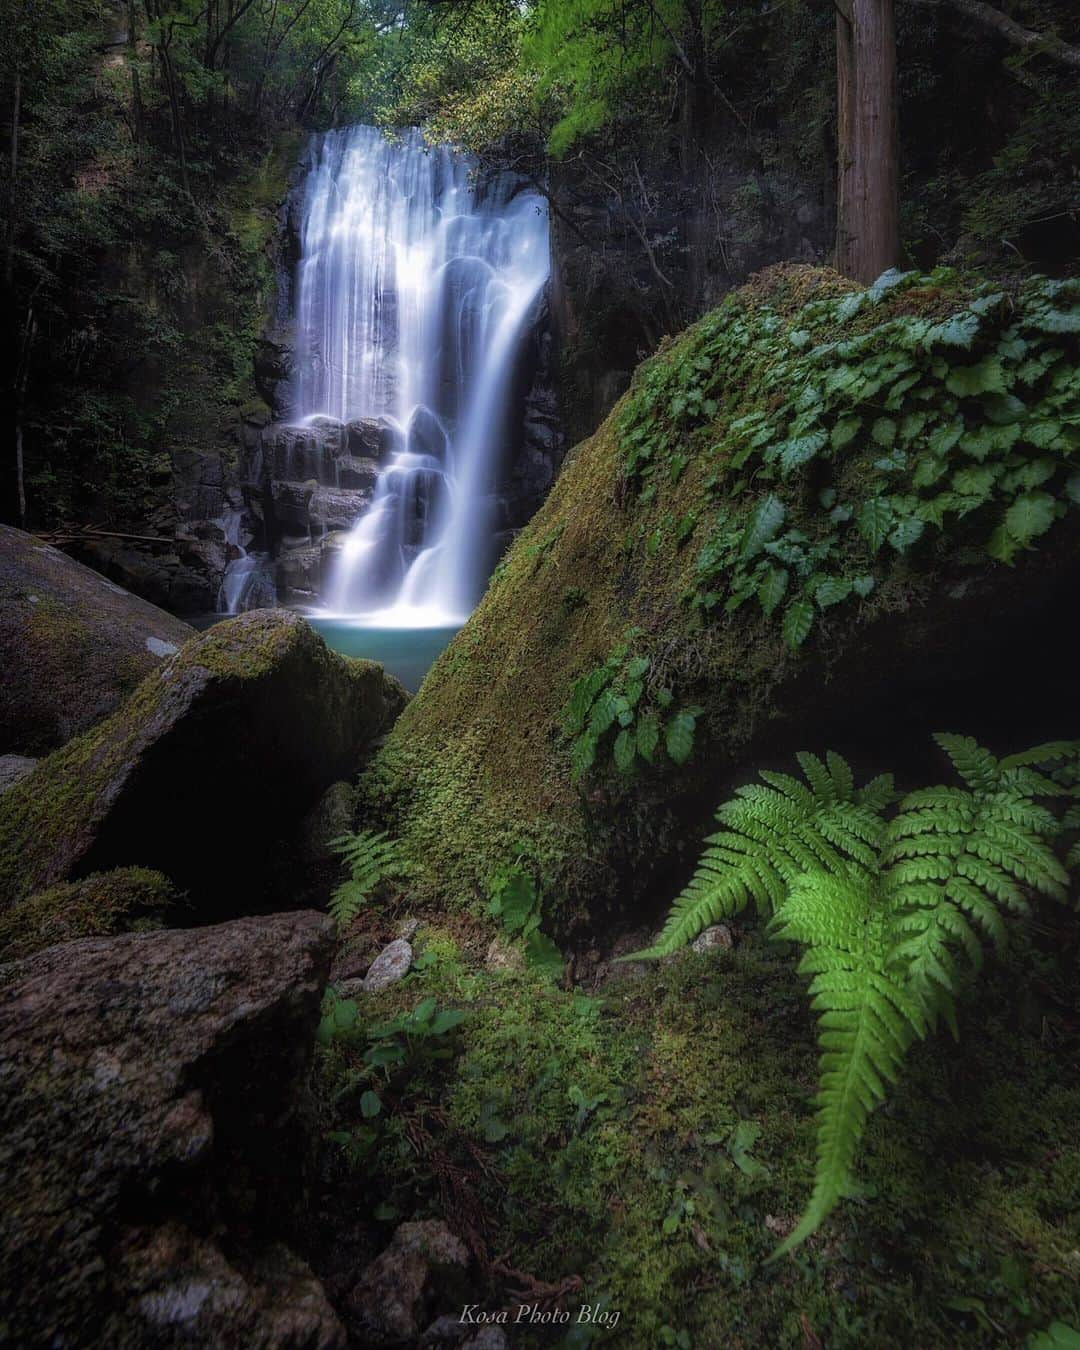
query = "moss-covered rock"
{"x": 820, "y": 517}
{"x": 651, "y": 1132}
{"x": 72, "y": 645}
{"x": 108, "y": 902}
{"x": 205, "y": 770}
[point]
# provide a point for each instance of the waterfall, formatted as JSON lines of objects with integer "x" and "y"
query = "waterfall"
{"x": 416, "y": 291}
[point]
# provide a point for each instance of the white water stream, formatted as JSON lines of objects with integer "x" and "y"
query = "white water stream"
{"x": 416, "y": 291}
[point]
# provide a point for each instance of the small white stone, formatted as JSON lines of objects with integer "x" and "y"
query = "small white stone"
{"x": 391, "y": 965}
{"x": 159, "y": 647}
{"x": 719, "y": 936}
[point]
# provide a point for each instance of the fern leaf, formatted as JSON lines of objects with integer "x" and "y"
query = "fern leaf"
{"x": 866, "y": 1020}
{"x": 371, "y": 859}
{"x": 975, "y": 765}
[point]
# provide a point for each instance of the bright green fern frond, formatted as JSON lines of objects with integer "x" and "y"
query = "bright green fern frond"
{"x": 776, "y": 831}
{"x": 975, "y": 765}
{"x": 866, "y": 1020}
{"x": 371, "y": 859}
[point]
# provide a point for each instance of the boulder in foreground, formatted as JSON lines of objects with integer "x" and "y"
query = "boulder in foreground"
{"x": 72, "y": 644}
{"x": 205, "y": 770}
{"x": 148, "y": 1139}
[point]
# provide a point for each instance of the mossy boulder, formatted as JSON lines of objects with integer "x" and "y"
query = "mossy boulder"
{"x": 72, "y": 644}
{"x": 205, "y": 771}
{"x": 108, "y": 902}
{"x": 824, "y": 516}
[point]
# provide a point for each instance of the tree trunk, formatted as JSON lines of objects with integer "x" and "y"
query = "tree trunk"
{"x": 867, "y": 190}
{"x": 16, "y": 114}
{"x": 133, "y": 61}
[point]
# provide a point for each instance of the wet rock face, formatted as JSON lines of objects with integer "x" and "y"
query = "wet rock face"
{"x": 149, "y": 1143}
{"x": 223, "y": 749}
{"x": 73, "y": 645}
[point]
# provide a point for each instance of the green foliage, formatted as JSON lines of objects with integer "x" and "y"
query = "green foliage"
{"x": 515, "y": 898}
{"x": 372, "y": 859}
{"x": 978, "y": 430}
{"x": 616, "y": 707}
{"x": 391, "y": 1054}
{"x": 886, "y": 902}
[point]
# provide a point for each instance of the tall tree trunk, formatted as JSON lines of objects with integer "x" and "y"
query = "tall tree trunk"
{"x": 9, "y": 243}
{"x": 867, "y": 189}
{"x": 133, "y": 61}
{"x": 22, "y": 375}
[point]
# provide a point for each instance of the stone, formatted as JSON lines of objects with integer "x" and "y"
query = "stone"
{"x": 502, "y": 955}
{"x": 717, "y": 936}
{"x": 73, "y": 645}
{"x": 14, "y": 768}
{"x": 407, "y": 929}
{"x": 398, "y": 1292}
{"x": 227, "y": 744}
{"x": 487, "y": 1338}
{"x": 370, "y": 437}
{"x": 332, "y": 816}
{"x": 149, "y": 1127}
{"x": 308, "y": 507}
{"x": 391, "y": 964}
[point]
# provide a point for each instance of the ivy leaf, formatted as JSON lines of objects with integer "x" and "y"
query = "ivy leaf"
{"x": 943, "y": 438}
{"x": 1029, "y": 516}
{"x": 625, "y": 750}
{"x": 604, "y": 712}
{"x": 763, "y": 525}
{"x": 873, "y": 521}
{"x": 370, "y": 1105}
{"x": 884, "y": 431}
{"x": 985, "y": 377}
{"x": 959, "y": 331}
{"x": 798, "y": 620}
{"x": 832, "y": 591}
{"x": 863, "y": 585}
{"x": 1002, "y": 409}
{"x": 907, "y": 532}
{"x": 679, "y": 738}
{"x": 648, "y": 736}
{"x": 801, "y": 450}
{"x": 773, "y": 586}
{"x": 582, "y": 756}
{"x": 845, "y": 432}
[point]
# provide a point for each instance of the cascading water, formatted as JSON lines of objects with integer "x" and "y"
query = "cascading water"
{"x": 415, "y": 292}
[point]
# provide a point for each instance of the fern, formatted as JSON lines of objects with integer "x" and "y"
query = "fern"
{"x": 889, "y": 904}
{"x": 371, "y": 859}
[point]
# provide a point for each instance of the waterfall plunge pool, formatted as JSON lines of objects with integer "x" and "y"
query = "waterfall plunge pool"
{"x": 407, "y": 653}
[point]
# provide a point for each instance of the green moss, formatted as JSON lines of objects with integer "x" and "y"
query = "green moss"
{"x": 47, "y": 819}
{"x": 479, "y": 766}
{"x": 656, "y": 1139}
{"x": 107, "y": 902}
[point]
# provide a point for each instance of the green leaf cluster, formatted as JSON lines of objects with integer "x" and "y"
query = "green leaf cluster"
{"x": 515, "y": 898}
{"x": 616, "y": 707}
{"x": 878, "y": 423}
{"x": 890, "y": 897}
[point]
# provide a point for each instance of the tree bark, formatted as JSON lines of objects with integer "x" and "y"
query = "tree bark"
{"x": 867, "y": 208}
{"x": 16, "y": 115}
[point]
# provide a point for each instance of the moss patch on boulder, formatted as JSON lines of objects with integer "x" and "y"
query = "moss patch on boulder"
{"x": 72, "y": 644}
{"x": 220, "y": 751}
{"x": 817, "y": 519}
{"x": 126, "y": 899}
